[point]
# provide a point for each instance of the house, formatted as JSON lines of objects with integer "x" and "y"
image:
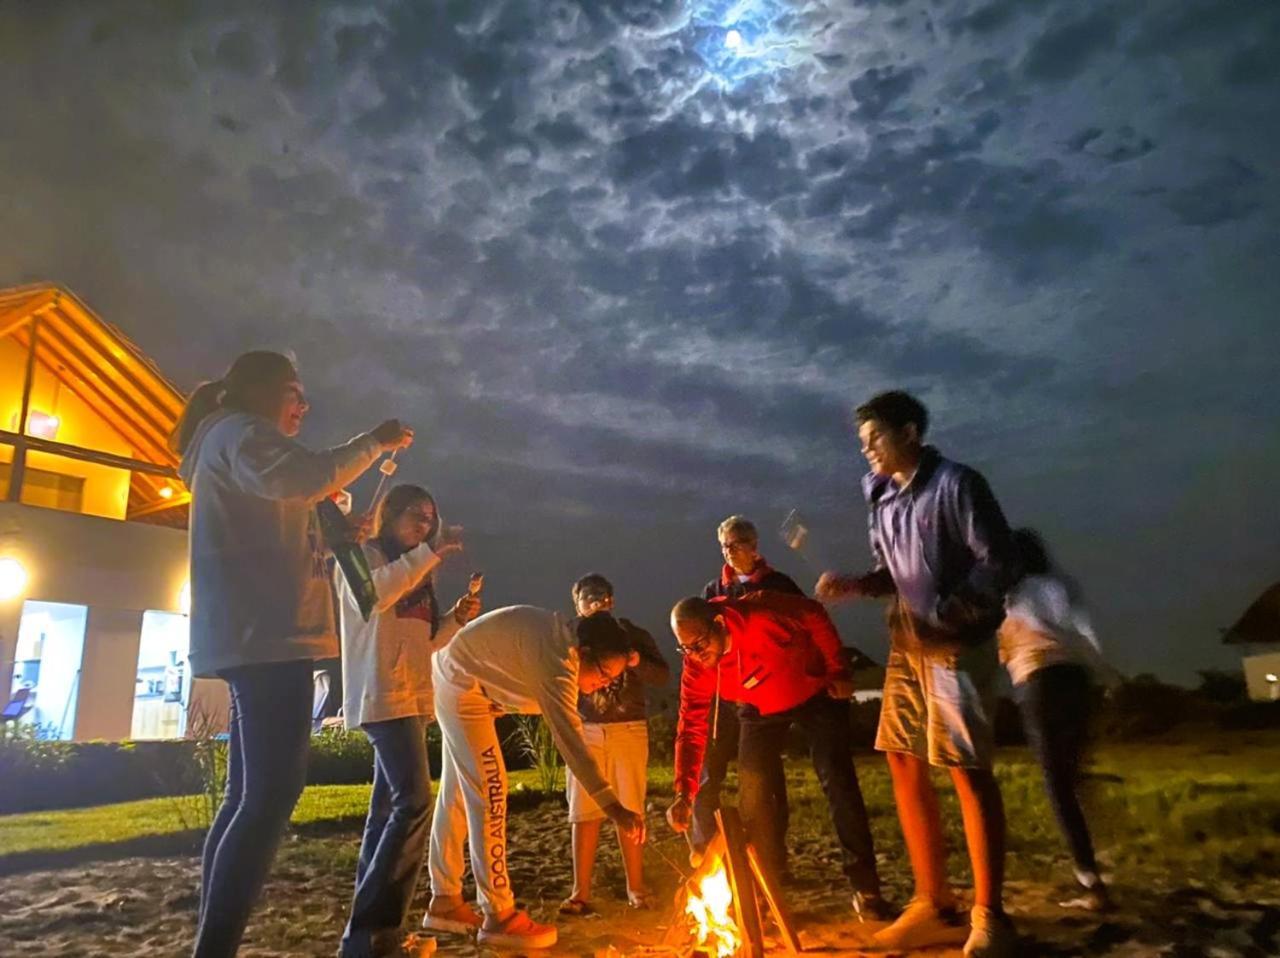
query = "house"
{"x": 1259, "y": 631}
{"x": 93, "y": 520}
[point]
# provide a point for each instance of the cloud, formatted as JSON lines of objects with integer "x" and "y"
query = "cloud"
{"x": 618, "y": 270}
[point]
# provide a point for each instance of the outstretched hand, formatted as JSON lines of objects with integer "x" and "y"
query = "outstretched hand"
{"x": 630, "y": 824}
{"x": 466, "y": 609}
{"x": 450, "y": 542}
{"x": 393, "y": 434}
{"x": 680, "y": 814}
{"x": 834, "y": 587}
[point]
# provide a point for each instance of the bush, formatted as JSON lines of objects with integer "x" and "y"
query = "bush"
{"x": 39, "y": 775}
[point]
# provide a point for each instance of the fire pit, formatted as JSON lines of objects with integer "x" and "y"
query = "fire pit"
{"x": 720, "y": 910}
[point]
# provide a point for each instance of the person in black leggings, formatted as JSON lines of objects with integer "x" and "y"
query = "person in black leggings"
{"x": 1049, "y": 647}
{"x": 261, "y": 607}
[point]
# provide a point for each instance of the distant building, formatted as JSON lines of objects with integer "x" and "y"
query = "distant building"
{"x": 93, "y": 519}
{"x": 1258, "y": 630}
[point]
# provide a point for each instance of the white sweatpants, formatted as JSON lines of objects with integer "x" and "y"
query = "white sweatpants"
{"x": 471, "y": 804}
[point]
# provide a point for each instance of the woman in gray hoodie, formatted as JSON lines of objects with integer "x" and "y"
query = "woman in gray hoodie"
{"x": 261, "y": 608}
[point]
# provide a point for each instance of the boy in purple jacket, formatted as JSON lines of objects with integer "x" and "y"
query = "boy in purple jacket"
{"x": 942, "y": 551}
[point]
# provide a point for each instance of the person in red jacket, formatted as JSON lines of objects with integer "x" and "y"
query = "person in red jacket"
{"x": 779, "y": 658}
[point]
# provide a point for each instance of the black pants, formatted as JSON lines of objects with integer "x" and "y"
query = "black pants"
{"x": 721, "y": 751}
{"x": 395, "y": 833}
{"x": 1056, "y": 703}
{"x": 825, "y": 723}
{"x": 270, "y": 734}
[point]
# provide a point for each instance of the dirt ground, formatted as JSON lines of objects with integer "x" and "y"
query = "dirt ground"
{"x": 145, "y": 906}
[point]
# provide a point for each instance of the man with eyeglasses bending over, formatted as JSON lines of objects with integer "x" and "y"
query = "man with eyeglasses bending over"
{"x": 779, "y": 658}
{"x": 745, "y": 570}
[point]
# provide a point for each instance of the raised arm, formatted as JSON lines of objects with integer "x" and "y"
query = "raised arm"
{"x": 397, "y": 578}
{"x": 273, "y": 466}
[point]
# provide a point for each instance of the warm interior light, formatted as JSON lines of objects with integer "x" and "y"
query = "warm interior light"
{"x": 42, "y": 425}
{"x": 1272, "y": 677}
{"x": 13, "y": 579}
{"x": 166, "y": 492}
{"x": 184, "y": 598}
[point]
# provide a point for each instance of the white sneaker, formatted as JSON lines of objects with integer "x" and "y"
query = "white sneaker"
{"x": 922, "y": 924}
{"x": 991, "y": 934}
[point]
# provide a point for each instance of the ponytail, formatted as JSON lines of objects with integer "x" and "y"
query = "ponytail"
{"x": 205, "y": 401}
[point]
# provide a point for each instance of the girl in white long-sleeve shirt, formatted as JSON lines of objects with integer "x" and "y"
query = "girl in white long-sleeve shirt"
{"x": 526, "y": 660}
{"x": 386, "y": 668}
{"x": 261, "y": 609}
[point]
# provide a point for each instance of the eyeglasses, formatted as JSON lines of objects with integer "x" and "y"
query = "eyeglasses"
{"x": 697, "y": 646}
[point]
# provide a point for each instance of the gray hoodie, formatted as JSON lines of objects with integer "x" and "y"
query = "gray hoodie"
{"x": 259, "y": 589}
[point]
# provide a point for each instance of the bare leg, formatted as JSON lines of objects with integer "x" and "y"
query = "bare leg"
{"x": 586, "y": 839}
{"x": 921, "y": 819}
{"x": 984, "y": 826}
{"x": 633, "y": 866}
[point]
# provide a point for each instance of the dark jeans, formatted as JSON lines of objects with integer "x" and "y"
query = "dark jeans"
{"x": 1056, "y": 704}
{"x": 715, "y": 768}
{"x": 395, "y": 833}
{"x": 825, "y": 723}
{"x": 266, "y": 770}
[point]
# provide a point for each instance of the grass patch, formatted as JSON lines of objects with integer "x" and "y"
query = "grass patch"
{"x": 1191, "y": 812}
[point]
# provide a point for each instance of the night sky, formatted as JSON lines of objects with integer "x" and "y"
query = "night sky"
{"x": 628, "y": 271}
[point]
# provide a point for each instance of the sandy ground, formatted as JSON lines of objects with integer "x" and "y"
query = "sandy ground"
{"x": 145, "y": 906}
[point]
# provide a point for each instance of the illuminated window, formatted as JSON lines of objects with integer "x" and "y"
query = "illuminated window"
{"x": 52, "y": 490}
{"x": 47, "y": 665}
{"x": 163, "y": 678}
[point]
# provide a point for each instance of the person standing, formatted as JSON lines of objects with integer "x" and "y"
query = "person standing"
{"x": 616, "y": 729}
{"x": 1048, "y": 645}
{"x": 943, "y": 551}
{"x": 778, "y": 656}
{"x": 745, "y": 570}
{"x": 387, "y": 694}
{"x": 525, "y": 660}
{"x": 261, "y": 607}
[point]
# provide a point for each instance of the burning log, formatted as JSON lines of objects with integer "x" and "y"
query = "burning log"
{"x": 718, "y": 911}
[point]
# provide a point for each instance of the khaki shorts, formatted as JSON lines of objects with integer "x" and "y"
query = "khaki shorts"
{"x": 621, "y": 749}
{"x": 941, "y": 709}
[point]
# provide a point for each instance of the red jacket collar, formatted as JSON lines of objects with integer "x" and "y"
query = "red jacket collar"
{"x": 728, "y": 577}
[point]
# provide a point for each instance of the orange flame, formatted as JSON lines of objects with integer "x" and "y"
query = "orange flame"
{"x": 709, "y": 904}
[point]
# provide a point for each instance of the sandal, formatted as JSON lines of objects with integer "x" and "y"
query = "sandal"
{"x": 641, "y": 901}
{"x": 576, "y": 908}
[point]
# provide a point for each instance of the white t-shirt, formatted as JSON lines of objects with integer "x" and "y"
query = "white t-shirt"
{"x": 1044, "y": 626}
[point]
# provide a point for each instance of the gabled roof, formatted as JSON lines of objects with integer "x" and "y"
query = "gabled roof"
{"x": 112, "y": 376}
{"x": 1260, "y": 624}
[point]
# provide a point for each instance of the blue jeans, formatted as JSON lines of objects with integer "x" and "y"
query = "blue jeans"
{"x": 1056, "y": 704}
{"x": 270, "y": 734}
{"x": 395, "y": 833}
{"x": 715, "y": 769}
{"x": 825, "y": 724}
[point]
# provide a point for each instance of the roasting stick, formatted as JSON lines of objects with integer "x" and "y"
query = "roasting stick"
{"x": 388, "y": 469}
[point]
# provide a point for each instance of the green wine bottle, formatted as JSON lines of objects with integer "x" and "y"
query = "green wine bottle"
{"x": 348, "y": 554}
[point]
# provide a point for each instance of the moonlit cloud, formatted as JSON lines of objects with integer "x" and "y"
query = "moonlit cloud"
{"x": 629, "y": 273}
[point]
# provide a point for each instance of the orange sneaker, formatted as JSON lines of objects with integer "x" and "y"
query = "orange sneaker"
{"x": 462, "y": 920}
{"x": 518, "y": 930}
